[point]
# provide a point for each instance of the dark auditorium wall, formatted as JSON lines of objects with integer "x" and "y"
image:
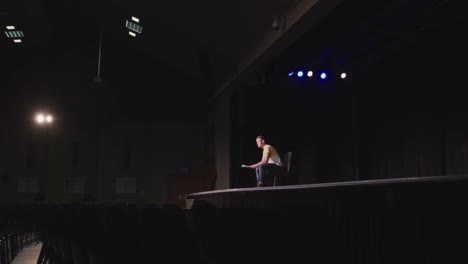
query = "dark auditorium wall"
{"x": 127, "y": 119}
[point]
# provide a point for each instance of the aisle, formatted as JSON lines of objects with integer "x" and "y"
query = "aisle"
{"x": 29, "y": 254}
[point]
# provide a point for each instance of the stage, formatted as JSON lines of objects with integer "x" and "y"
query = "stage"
{"x": 306, "y": 194}
{"x": 420, "y": 220}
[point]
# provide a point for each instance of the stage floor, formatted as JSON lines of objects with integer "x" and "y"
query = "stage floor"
{"x": 291, "y": 195}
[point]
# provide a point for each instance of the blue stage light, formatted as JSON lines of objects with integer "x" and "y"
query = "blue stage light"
{"x": 323, "y": 76}
{"x": 300, "y": 73}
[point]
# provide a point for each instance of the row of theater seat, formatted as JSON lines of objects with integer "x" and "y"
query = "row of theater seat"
{"x": 115, "y": 233}
{"x": 135, "y": 233}
{"x": 9, "y": 246}
{"x": 13, "y": 237}
{"x": 97, "y": 233}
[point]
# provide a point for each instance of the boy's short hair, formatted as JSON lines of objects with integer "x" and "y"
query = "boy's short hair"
{"x": 261, "y": 137}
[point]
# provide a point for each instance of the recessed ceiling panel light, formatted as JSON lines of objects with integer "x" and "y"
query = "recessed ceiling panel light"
{"x": 132, "y": 34}
{"x": 17, "y": 40}
{"x": 136, "y": 19}
{"x": 10, "y": 27}
{"x": 134, "y": 26}
{"x": 14, "y": 34}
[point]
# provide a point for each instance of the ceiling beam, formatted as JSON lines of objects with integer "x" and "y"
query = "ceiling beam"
{"x": 292, "y": 24}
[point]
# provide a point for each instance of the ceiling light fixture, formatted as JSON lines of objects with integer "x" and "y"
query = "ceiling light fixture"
{"x": 134, "y": 26}
{"x": 16, "y": 35}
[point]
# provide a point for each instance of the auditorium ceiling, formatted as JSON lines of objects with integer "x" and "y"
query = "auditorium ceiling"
{"x": 205, "y": 46}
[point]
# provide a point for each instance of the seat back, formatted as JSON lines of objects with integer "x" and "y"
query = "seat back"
{"x": 287, "y": 165}
{"x": 287, "y": 162}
